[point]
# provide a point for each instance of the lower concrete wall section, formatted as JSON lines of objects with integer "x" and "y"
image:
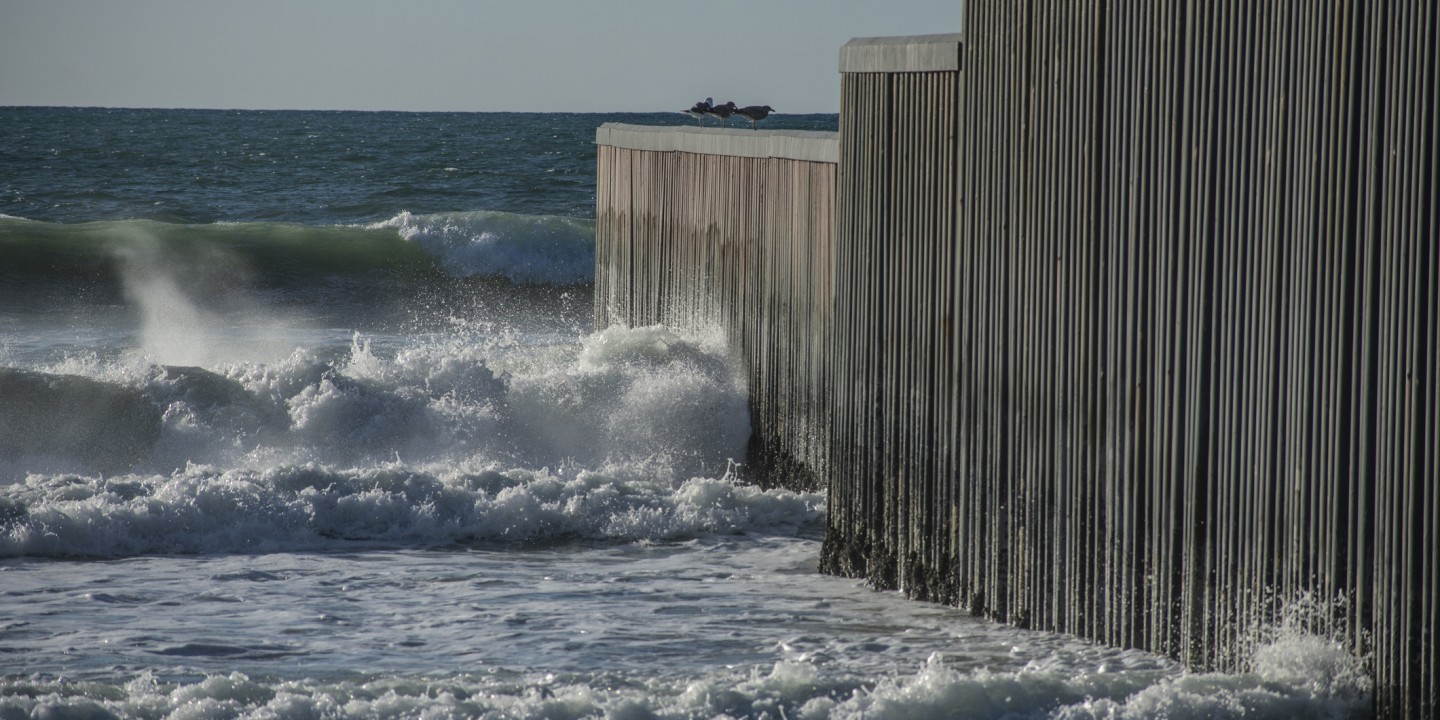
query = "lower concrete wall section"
{"x": 735, "y": 228}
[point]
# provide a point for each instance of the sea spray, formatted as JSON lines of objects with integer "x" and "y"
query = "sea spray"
{"x": 636, "y": 394}
{"x": 192, "y": 299}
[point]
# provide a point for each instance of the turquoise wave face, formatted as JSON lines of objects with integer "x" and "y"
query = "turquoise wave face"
{"x": 268, "y": 253}
{"x": 98, "y": 262}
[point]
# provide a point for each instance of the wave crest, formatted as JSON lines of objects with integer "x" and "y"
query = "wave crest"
{"x": 525, "y": 249}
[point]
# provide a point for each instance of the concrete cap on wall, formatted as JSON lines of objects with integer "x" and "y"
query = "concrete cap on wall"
{"x": 788, "y": 144}
{"x": 911, "y": 53}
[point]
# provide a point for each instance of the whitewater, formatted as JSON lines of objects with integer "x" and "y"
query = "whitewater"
{"x": 303, "y": 415}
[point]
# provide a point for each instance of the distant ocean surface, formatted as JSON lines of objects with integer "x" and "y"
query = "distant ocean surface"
{"x": 302, "y": 415}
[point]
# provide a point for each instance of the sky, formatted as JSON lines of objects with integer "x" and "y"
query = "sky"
{"x": 442, "y": 55}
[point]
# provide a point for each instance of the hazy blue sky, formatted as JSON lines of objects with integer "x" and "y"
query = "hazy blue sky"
{"x": 543, "y": 55}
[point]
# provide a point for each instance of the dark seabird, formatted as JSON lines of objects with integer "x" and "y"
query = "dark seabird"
{"x": 720, "y": 112}
{"x": 755, "y": 113}
{"x": 699, "y": 110}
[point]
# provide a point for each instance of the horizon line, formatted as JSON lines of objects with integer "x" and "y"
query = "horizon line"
{"x": 358, "y": 110}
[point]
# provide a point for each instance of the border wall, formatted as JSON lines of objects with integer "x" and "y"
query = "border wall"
{"x": 894, "y": 352}
{"x": 734, "y": 229}
{"x": 1162, "y": 368}
{"x": 1130, "y": 327}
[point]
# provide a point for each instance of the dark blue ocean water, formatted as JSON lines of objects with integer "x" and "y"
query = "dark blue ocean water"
{"x": 73, "y": 165}
{"x": 302, "y": 415}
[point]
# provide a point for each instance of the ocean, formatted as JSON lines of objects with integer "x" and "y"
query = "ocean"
{"x": 302, "y": 415}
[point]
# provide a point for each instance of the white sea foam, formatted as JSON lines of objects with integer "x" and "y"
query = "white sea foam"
{"x": 621, "y": 396}
{"x": 526, "y": 249}
{"x": 625, "y": 435}
{"x": 939, "y": 692}
{"x": 795, "y": 689}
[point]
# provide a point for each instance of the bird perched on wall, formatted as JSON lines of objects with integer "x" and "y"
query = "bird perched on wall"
{"x": 754, "y": 113}
{"x": 720, "y": 112}
{"x": 699, "y": 110}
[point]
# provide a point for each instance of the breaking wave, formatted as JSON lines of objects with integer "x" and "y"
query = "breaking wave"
{"x": 612, "y": 437}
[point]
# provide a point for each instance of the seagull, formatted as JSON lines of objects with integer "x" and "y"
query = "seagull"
{"x": 699, "y": 110}
{"x": 720, "y": 112}
{"x": 755, "y": 113}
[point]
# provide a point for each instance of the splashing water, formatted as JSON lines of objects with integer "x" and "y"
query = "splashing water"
{"x": 358, "y": 453}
